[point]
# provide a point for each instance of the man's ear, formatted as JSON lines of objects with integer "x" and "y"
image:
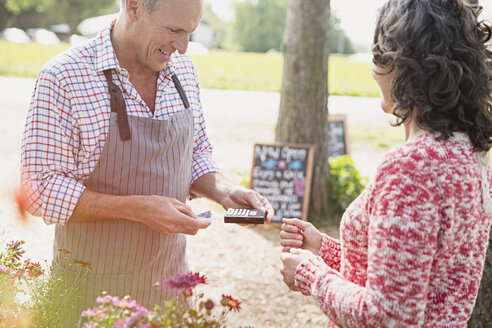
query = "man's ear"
{"x": 131, "y": 9}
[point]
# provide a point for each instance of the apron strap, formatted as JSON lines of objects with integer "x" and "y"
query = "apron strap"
{"x": 181, "y": 92}
{"x": 118, "y": 106}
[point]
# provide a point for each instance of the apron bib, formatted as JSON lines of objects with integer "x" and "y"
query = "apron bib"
{"x": 141, "y": 156}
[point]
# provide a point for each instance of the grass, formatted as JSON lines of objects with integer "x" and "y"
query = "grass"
{"x": 25, "y": 60}
{"x": 217, "y": 70}
{"x": 370, "y": 137}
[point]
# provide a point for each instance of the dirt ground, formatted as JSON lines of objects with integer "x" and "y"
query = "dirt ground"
{"x": 237, "y": 260}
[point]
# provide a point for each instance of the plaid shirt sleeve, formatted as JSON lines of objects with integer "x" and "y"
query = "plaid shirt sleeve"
{"x": 49, "y": 152}
{"x": 202, "y": 150}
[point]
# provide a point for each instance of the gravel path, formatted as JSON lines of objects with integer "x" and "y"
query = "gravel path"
{"x": 241, "y": 261}
{"x": 245, "y": 262}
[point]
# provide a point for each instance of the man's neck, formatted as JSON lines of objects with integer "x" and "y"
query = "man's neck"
{"x": 122, "y": 40}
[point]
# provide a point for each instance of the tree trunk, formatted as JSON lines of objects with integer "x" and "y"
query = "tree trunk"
{"x": 303, "y": 114}
{"x": 482, "y": 312}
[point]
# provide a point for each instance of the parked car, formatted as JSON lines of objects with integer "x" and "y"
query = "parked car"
{"x": 76, "y": 40}
{"x": 15, "y": 35}
{"x": 43, "y": 36}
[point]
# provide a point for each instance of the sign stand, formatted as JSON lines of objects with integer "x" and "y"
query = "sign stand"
{"x": 338, "y": 143}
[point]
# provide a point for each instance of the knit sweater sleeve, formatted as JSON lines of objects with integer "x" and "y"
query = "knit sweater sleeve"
{"x": 402, "y": 240}
{"x": 330, "y": 251}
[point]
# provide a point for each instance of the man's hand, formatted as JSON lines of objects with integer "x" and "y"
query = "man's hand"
{"x": 290, "y": 261}
{"x": 216, "y": 187}
{"x": 163, "y": 214}
{"x": 240, "y": 197}
{"x": 169, "y": 216}
{"x": 296, "y": 233}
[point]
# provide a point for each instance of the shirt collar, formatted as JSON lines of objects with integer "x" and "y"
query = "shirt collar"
{"x": 106, "y": 56}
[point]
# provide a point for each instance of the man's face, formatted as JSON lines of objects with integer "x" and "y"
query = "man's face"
{"x": 164, "y": 30}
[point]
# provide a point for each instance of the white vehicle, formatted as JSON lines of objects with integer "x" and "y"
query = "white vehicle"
{"x": 15, "y": 35}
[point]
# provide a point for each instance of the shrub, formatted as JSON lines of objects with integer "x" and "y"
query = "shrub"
{"x": 33, "y": 296}
{"x": 345, "y": 183}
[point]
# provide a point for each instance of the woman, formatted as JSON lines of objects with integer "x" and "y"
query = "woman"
{"x": 412, "y": 245}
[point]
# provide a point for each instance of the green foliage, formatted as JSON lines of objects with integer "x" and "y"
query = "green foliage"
{"x": 17, "y": 6}
{"x": 245, "y": 179}
{"x": 345, "y": 183}
{"x": 11, "y": 9}
{"x": 220, "y": 27}
{"x": 47, "y": 12}
{"x": 339, "y": 41}
{"x": 111, "y": 311}
{"x": 259, "y": 26}
{"x": 31, "y": 296}
{"x": 73, "y": 12}
{"x": 53, "y": 296}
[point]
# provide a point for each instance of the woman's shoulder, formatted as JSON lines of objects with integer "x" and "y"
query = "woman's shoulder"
{"x": 428, "y": 154}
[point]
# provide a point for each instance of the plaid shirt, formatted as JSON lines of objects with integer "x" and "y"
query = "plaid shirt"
{"x": 68, "y": 121}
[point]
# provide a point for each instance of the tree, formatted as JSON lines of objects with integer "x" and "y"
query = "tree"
{"x": 303, "y": 114}
{"x": 219, "y": 26}
{"x": 339, "y": 41}
{"x": 73, "y": 12}
{"x": 482, "y": 313}
{"x": 45, "y": 12}
{"x": 11, "y": 9}
{"x": 259, "y": 27}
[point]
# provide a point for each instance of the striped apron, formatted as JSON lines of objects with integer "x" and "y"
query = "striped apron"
{"x": 126, "y": 256}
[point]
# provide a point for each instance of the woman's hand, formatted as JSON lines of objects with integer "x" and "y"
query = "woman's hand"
{"x": 296, "y": 233}
{"x": 290, "y": 261}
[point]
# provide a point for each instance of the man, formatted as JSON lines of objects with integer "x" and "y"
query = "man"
{"x": 114, "y": 143}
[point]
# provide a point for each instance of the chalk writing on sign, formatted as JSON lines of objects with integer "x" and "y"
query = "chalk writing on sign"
{"x": 282, "y": 173}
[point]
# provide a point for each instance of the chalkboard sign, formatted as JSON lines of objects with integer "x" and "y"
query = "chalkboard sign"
{"x": 282, "y": 174}
{"x": 338, "y": 143}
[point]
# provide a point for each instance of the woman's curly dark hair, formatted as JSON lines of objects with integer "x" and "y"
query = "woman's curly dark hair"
{"x": 443, "y": 66}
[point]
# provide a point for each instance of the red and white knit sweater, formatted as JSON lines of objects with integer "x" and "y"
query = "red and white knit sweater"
{"x": 412, "y": 245}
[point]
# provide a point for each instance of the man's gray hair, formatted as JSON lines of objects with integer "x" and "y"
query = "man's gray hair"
{"x": 149, "y": 5}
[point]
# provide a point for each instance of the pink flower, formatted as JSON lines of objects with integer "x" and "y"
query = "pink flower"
{"x": 89, "y": 312}
{"x": 96, "y": 312}
{"x": 125, "y": 303}
{"x": 106, "y": 299}
{"x": 120, "y": 323}
{"x": 135, "y": 317}
{"x": 33, "y": 269}
{"x": 4, "y": 269}
{"x": 186, "y": 281}
{"x": 231, "y": 303}
{"x": 88, "y": 325}
{"x": 209, "y": 305}
{"x": 15, "y": 248}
